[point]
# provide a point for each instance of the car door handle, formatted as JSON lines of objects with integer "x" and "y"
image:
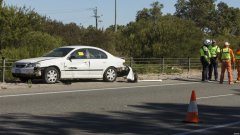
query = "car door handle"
{"x": 85, "y": 62}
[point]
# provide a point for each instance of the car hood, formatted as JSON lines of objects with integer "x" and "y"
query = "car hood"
{"x": 36, "y": 60}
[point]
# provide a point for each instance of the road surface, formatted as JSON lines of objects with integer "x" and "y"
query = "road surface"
{"x": 144, "y": 108}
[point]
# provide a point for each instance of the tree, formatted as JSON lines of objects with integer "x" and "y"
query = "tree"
{"x": 164, "y": 38}
{"x": 1, "y": 21}
{"x": 34, "y": 44}
{"x": 228, "y": 19}
{"x": 181, "y": 9}
{"x": 153, "y": 13}
{"x": 71, "y": 33}
{"x": 98, "y": 38}
{"x": 112, "y": 28}
{"x": 15, "y": 22}
{"x": 1, "y": 3}
{"x": 196, "y": 10}
{"x": 143, "y": 14}
{"x": 156, "y": 10}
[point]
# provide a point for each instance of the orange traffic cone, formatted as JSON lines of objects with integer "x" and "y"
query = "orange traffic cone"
{"x": 192, "y": 114}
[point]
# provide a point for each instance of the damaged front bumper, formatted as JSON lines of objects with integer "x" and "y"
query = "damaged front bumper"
{"x": 33, "y": 72}
{"x": 128, "y": 73}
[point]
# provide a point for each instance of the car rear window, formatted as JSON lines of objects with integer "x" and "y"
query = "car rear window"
{"x": 96, "y": 54}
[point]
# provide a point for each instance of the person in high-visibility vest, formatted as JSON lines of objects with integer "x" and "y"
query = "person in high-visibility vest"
{"x": 215, "y": 51}
{"x": 227, "y": 59}
{"x": 205, "y": 59}
{"x": 237, "y": 62}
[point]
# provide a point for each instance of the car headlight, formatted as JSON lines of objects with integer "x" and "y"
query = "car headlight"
{"x": 13, "y": 65}
{"x": 33, "y": 65}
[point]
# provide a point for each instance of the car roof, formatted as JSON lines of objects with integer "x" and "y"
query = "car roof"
{"x": 85, "y": 46}
{"x": 80, "y": 46}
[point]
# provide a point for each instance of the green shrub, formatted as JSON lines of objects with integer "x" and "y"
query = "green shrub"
{"x": 34, "y": 44}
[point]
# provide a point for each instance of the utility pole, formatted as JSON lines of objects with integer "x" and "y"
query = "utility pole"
{"x": 96, "y": 16}
{"x": 115, "y": 15}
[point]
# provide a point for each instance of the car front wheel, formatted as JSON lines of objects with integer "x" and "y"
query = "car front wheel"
{"x": 110, "y": 75}
{"x": 51, "y": 75}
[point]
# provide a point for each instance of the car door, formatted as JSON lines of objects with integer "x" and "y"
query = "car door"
{"x": 98, "y": 62}
{"x": 78, "y": 64}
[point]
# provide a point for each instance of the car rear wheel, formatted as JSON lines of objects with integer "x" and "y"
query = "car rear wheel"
{"x": 51, "y": 75}
{"x": 110, "y": 75}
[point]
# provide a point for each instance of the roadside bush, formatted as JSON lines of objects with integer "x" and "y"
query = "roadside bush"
{"x": 34, "y": 44}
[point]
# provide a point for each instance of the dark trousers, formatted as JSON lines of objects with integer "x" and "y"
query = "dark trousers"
{"x": 205, "y": 66}
{"x": 213, "y": 66}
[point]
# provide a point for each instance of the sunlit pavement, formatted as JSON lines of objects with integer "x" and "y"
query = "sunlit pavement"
{"x": 121, "y": 108}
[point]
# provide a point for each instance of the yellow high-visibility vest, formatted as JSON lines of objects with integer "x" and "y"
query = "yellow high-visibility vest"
{"x": 214, "y": 50}
{"x": 226, "y": 54}
{"x": 202, "y": 53}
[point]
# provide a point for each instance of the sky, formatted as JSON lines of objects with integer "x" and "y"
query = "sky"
{"x": 81, "y": 11}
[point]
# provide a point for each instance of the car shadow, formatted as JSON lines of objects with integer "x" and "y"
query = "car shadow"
{"x": 144, "y": 119}
{"x": 40, "y": 81}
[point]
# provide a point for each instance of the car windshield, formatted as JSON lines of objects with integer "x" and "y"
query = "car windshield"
{"x": 59, "y": 52}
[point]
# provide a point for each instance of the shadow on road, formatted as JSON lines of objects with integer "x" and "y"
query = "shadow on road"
{"x": 146, "y": 119}
{"x": 188, "y": 79}
{"x": 40, "y": 81}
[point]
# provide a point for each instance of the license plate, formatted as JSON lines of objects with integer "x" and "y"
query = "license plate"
{"x": 17, "y": 71}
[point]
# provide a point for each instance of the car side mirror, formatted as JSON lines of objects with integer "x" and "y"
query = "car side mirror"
{"x": 71, "y": 57}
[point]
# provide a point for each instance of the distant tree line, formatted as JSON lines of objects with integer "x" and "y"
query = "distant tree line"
{"x": 24, "y": 33}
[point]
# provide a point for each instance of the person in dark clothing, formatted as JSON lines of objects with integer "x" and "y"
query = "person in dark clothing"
{"x": 215, "y": 51}
{"x": 205, "y": 59}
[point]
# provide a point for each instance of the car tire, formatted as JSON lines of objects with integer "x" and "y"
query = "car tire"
{"x": 110, "y": 75}
{"x": 51, "y": 75}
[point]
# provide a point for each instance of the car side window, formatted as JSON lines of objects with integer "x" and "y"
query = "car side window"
{"x": 79, "y": 54}
{"x": 96, "y": 54}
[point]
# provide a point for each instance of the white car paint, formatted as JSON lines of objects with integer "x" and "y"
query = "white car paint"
{"x": 69, "y": 68}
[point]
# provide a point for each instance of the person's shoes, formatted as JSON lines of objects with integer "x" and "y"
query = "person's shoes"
{"x": 231, "y": 83}
{"x": 237, "y": 81}
{"x": 220, "y": 82}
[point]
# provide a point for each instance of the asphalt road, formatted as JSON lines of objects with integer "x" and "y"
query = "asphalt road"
{"x": 144, "y": 108}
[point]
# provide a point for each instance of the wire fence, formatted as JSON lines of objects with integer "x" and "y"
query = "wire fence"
{"x": 163, "y": 65}
{"x": 139, "y": 65}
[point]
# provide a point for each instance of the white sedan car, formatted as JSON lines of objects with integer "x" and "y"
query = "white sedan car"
{"x": 71, "y": 62}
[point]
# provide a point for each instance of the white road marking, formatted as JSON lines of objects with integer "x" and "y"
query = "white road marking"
{"x": 211, "y": 128}
{"x": 150, "y": 80}
{"x": 216, "y": 96}
{"x": 89, "y": 90}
